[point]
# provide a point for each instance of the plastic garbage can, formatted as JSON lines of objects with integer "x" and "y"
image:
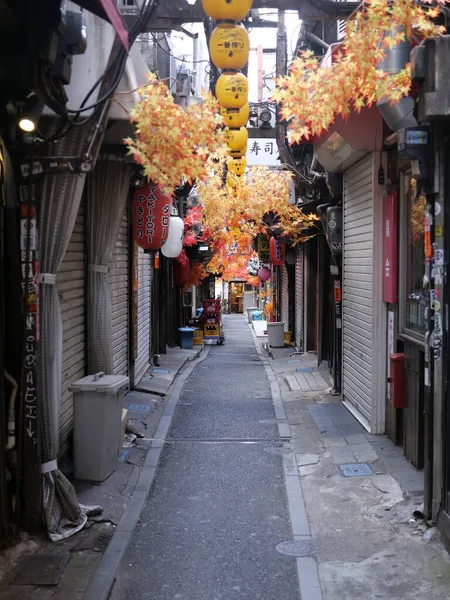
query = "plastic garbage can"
{"x": 257, "y": 315}
{"x": 275, "y": 332}
{"x": 250, "y": 310}
{"x": 97, "y": 408}
{"x": 186, "y": 337}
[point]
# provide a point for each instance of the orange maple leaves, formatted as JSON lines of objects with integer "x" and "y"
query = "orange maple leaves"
{"x": 311, "y": 96}
{"x": 173, "y": 143}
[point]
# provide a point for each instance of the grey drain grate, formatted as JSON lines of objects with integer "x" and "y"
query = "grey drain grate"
{"x": 41, "y": 569}
{"x": 356, "y": 470}
{"x": 297, "y": 548}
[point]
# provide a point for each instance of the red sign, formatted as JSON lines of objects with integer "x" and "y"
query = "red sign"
{"x": 277, "y": 252}
{"x": 151, "y": 217}
{"x": 390, "y": 248}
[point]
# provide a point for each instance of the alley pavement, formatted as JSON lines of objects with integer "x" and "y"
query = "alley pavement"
{"x": 218, "y": 506}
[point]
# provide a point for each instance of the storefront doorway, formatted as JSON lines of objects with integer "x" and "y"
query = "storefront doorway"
{"x": 236, "y": 297}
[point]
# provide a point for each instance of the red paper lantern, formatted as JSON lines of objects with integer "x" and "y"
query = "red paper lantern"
{"x": 180, "y": 272}
{"x": 151, "y": 216}
{"x": 277, "y": 252}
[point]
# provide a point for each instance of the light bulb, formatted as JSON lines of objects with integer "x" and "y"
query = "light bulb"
{"x": 27, "y": 125}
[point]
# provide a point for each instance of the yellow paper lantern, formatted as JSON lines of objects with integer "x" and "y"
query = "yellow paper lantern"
{"x": 232, "y": 180}
{"x": 237, "y": 166}
{"x": 236, "y": 117}
{"x": 236, "y": 138}
{"x": 232, "y": 90}
{"x": 227, "y": 10}
{"x": 229, "y": 48}
{"x": 238, "y": 153}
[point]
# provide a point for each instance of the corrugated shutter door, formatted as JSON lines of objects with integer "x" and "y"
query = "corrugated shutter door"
{"x": 143, "y": 353}
{"x": 284, "y": 297}
{"x": 299, "y": 297}
{"x": 70, "y": 285}
{"x": 357, "y": 307}
{"x": 120, "y": 298}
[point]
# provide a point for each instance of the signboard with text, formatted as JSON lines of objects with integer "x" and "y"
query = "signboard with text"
{"x": 390, "y": 248}
{"x": 262, "y": 151}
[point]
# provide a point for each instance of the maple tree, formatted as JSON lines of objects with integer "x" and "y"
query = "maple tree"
{"x": 311, "y": 96}
{"x": 173, "y": 143}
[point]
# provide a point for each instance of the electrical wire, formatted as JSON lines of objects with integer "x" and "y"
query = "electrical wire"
{"x": 194, "y": 62}
{"x": 118, "y": 62}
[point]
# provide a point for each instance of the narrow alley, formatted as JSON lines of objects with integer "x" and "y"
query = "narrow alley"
{"x": 218, "y": 506}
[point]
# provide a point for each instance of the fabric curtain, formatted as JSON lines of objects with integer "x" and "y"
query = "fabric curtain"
{"x": 59, "y": 201}
{"x": 107, "y": 191}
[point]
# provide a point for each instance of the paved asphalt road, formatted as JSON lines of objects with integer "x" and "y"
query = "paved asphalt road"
{"x": 218, "y": 505}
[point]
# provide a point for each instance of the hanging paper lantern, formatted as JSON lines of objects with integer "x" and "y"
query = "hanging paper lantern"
{"x": 151, "y": 216}
{"x": 229, "y": 48}
{"x": 277, "y": 252}
{"x": 181, "y": 272}
{"x": 232, "y": 90}
{"x": 238, "y": 153}
{"x": 227, "y": 10}
{"x": 232, "y": 180}
{"x": 174, "y": 244}
{"x": 236, "y": 138}
{"x": 237, "y": 166}
{"x": 234, "y": 117}
{"x": 264, "y": 274}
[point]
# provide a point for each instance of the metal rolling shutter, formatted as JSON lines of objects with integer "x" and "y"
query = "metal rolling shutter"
{"x": 299, "y": 297}
{"x": 144, "y": 314}
{"x": 120, "y": 298}
{"x": 284, "y": 297}
{"x": 70, "y": 285}
{"x": 357, "y": 307}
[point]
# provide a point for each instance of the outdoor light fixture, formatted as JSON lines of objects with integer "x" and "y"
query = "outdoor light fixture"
{"x": 29, "y": 117}
{"x": 203, "y": 248}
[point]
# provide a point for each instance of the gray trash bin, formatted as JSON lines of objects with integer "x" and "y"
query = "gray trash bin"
{"x": 275, "y": 334}
{"x": 97, "y": 407}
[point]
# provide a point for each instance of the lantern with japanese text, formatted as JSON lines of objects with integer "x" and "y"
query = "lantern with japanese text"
{"x": 181, "y": 272}
{"x": 236, "y": 138}
{"x": 229, "y": 48}
{"x": 151, "y": 216}
{"x": 238, "y": 153}
{"x": 237, "y": 166}
{"x": 264, "y": 274}
{"x": 234, "y": 117}
{"x": 232, "y": 90}
{"x": 225, "y": 11}
{"x": 174, "y": 244}
{"x": 277, "y": 252}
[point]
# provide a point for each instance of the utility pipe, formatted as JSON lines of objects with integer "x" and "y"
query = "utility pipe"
{"x": 11, "y": 439}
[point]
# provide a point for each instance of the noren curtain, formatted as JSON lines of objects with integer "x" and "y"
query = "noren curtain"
{"x": 107, "y": 191}
{"x": 59, "y": 200}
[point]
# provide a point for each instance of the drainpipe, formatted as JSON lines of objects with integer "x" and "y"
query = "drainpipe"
{"x": 11, "y": 439}
{"x": 400, "y": 114}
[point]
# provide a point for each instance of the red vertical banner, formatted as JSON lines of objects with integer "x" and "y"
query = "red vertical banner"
{"x": 390, "y": 248}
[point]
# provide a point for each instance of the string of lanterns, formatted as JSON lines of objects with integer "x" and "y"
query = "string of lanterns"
{"x": 229, "y": 48}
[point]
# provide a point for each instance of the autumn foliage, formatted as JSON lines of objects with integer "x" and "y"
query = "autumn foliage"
{"x": 233, "y": 217}
{"x": 311, "y": 96}
{"x": 173, "y": 143}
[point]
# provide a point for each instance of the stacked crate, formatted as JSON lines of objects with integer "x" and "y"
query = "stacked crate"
{"x": 211, "y": 315}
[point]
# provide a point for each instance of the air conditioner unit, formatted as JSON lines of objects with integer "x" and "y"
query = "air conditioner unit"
{"x": 430, "y": 67}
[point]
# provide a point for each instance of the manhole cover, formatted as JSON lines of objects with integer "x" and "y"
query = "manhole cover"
{"x": 41, "y": 569}
{"x": 278, "y": 451}
{"x": 138, "y": 407}
{"x": 272, "y": 421}
{"x": 356, "y": 470}
{"x": 300, "y": 548}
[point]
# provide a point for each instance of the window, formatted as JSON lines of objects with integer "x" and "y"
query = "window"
{"x": 415, "y": 296}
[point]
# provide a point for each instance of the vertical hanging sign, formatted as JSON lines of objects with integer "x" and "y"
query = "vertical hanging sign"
{"x": 390, "y": 248}
{"x": 30, "y": 293}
